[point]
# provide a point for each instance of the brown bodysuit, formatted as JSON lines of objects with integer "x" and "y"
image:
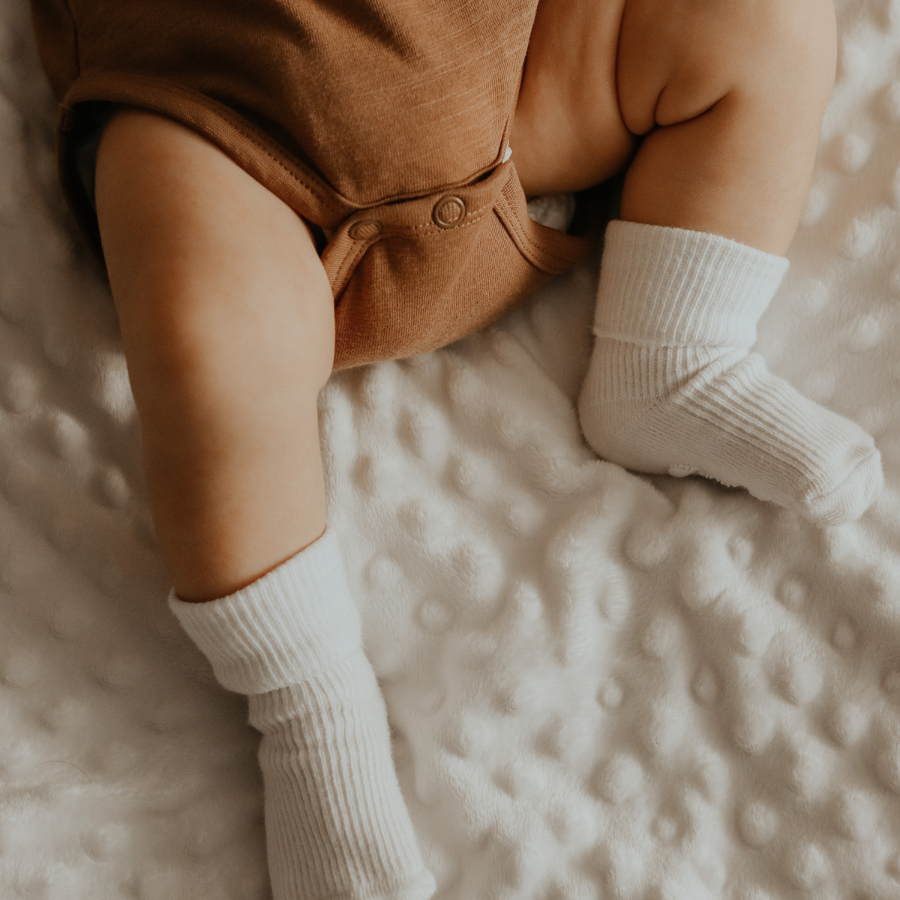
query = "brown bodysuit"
{"x": 383, "y": 122}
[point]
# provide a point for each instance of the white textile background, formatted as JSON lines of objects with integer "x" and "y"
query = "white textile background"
{"x": 601, "y": 685}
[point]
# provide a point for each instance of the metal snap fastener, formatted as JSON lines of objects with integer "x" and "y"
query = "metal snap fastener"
{"x": 449, "y": 211}
{"x": 365, "y": 229}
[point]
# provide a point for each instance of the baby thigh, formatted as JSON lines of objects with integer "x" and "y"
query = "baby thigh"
{"x": 227, "y": 321}
{"x": 730, "y": 98}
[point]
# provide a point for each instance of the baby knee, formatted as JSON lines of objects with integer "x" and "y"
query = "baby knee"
{"x": 792, "y": 50}
{"x": 802, "y": 45}
{"x": 677, "y": 60}
{"x": 777, "y": 49}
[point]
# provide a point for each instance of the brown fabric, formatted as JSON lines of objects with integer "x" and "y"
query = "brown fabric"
{"x": 384, "y": 122}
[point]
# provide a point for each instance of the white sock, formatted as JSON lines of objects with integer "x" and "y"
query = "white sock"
{"x": 672, "y": 387}
{"x": 336, "y": 823}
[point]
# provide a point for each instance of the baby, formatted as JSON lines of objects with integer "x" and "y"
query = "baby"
{"x": 283, "y": 187}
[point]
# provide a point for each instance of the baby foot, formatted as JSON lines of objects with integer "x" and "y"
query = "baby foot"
{"x": 720, "y": 413}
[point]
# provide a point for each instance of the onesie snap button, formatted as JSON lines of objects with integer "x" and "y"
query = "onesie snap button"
{"x": 448, "y": 211}
{"x": 365, "y": 229}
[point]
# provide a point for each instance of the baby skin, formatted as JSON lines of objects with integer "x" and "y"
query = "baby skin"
{"x": 714, "y": 111}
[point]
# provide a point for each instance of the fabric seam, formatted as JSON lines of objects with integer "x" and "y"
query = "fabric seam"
{"x": 525, "y": 243}
{"x": 221, "y": 112}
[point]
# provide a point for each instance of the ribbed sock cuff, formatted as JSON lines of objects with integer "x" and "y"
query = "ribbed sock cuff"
{"x": 331, "y": 734}
{"x": 292, "y": 624}
{"x": 670, "y": 286}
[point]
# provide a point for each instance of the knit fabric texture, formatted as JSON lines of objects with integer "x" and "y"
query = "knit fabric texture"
{"x": 336, "y": 822}
{"x": 672, "y": 387}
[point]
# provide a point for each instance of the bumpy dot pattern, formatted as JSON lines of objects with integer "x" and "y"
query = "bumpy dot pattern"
{"x": 600, "y": 685}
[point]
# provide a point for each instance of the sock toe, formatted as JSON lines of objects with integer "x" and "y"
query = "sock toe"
{"x": 735, "y": 422}
{"x": 853, "y": 495}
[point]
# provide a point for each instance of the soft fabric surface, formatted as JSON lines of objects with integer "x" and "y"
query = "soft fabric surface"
{"x": 601, "y": 685}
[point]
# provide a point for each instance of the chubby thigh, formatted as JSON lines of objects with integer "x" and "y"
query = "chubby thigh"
{"x": 601, "y": 74}
{"x": 228, "y": 327}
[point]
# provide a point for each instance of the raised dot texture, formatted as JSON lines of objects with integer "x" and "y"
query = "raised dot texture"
{"x": 800, "y": 680}
{"x": 754, "y": 728}
{"x": 573, "y": 824}
{"x": 792, "y": 593}
{"x": 620, "y": 779}
{"x": 702, "y": 580}
{"x": 67, "y": 437}
{"x": 844, "y": 635}
{"x": 665, "y": 829}
{"x": 758, "y": 824}
{"x": 809, "y": 771}
{"x": 520, "y": 517}
{"x": 860, "y": 239}
{"x": 741, "y": 551}
{"x": 852, "y": 153}
{"x": 813, "y": 298}
{"x": 63, "y": 714}
{"x": 807, "y": 865}
{"x": 20, "y": 669}
{"x": 111, "y": 390}
{"x": 848, "y": 723}
{"x": 478, "y": 570}
{"x": 662, "y": 731}
{"x": 434, "y": 617}
{"x": 113, "y": 488}
{"x": 851, "y": 59}
{"x": 648, "y": 544}
{"x": 752, "y": 633}
{"x": 816, "y": 207}
{"x": 68, "y": 619}
{"x": 864, "y": 334}
{"x": 705, "y": 688}
{"x": 610, "y": 695}
{"x": 710, "y": 776}
{"x": 855, "y": 815}
{"x": 545, "y": 626}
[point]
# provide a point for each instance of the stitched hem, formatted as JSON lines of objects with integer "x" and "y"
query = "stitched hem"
{"x": 265, "y": 160}
{"x": 550, "y": 250}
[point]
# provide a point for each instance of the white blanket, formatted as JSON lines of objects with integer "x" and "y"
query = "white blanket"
{"x": 601, "y": 685}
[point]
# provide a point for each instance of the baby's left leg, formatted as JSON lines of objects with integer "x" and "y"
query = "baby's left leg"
{"x": 731, "y": 100}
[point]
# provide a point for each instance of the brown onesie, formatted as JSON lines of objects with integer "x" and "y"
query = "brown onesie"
{"x": 383, "y": 122}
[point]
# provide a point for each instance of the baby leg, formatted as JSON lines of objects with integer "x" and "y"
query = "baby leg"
{"x": 731, "y": 100}
{"x": 227, "y": 322}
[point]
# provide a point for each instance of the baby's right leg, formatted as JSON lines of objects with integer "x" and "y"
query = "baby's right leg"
{"x": 227, "y": 321}
{"x": 228, "y": 325}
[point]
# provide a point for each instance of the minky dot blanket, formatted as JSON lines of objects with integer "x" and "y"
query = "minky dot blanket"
{"x": 600, "y": 684}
